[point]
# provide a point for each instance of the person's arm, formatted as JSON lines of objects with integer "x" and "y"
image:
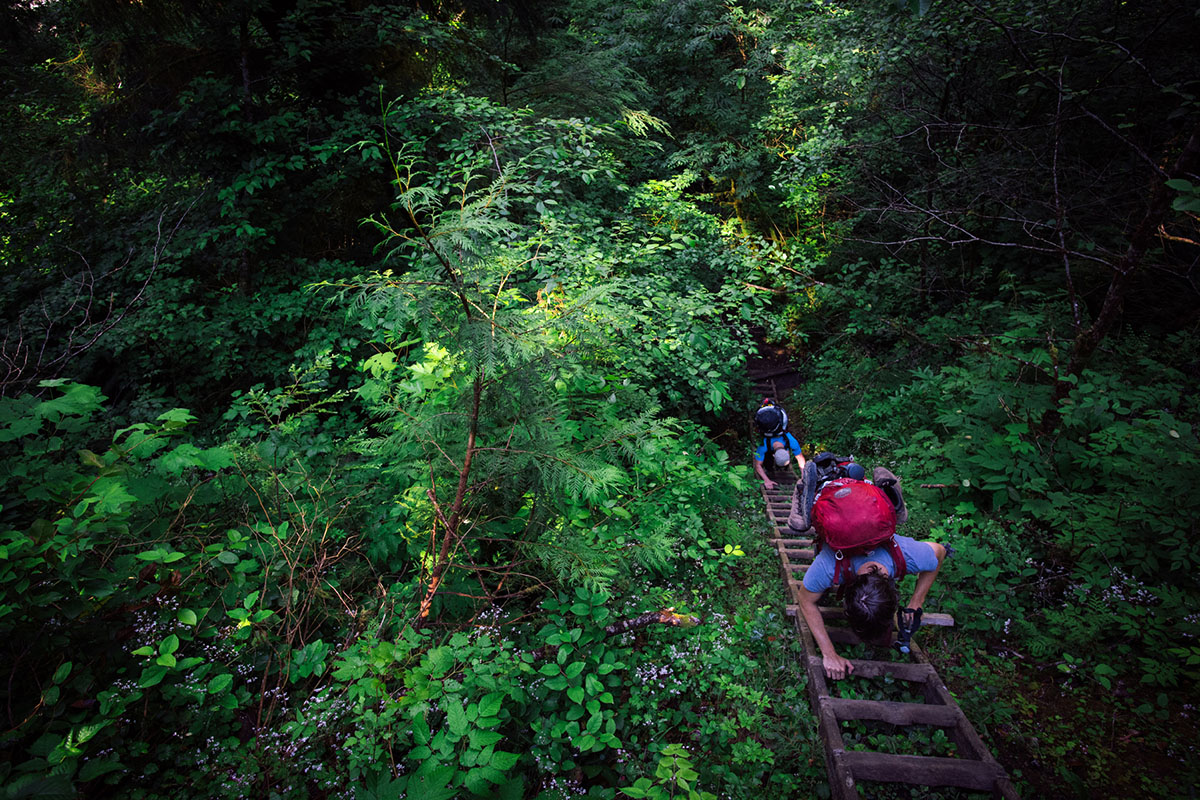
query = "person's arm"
{"x": 762, "y": 473}
{"x": 836, "y": 667}
{"x": 925, "y": 579}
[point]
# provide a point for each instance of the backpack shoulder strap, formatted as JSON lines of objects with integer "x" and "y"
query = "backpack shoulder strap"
{"x": 841, "y": 570}
{"x": 901, "y": 566}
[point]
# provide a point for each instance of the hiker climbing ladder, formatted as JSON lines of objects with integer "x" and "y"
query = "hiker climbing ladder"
{"x": 973, "y": 769}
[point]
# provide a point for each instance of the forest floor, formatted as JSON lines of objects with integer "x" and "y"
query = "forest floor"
{"x": 1061, "y": 737}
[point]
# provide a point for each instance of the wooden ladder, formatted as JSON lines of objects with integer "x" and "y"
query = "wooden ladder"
{"x": 973, "y": 769}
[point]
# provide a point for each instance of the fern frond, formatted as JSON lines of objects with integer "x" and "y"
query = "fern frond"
{"x": 654, "y": 548}
{"x": 574, "y": 561}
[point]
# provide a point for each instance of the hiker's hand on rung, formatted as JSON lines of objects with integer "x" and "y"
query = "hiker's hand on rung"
{"x": 837, "y": 667}
{"x": 769, "y": 484}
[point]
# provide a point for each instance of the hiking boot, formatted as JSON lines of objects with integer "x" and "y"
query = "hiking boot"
{"x": 802, "y": 499}
{"x": 884, "y": 479}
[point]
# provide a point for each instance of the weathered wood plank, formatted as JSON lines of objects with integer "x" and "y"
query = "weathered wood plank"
{"x": 901, "y": 670}
{"x": 924, "y": 770}
{"x": 793, "y": 542}
{"x": 894, "y": 713}
{"x": 805, "y": 554}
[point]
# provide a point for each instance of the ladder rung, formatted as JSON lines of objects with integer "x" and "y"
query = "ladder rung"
{"x": 893, "y": 712}
{"x": 901, "y": 670}
{"x": 981, "y": 776}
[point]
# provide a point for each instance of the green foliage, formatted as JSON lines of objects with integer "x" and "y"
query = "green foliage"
{"x": 518, "y": 368}
{"x": 989, "y": 561}
{"x": 72, "y": 520}
{"x": 674, "y": 777}
{"x": 433, "y": 456}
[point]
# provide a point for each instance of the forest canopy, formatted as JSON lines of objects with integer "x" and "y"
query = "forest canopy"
{"x": 374, "y": 385}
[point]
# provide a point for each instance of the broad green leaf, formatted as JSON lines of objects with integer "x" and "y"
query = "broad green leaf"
{"x": 152, "y": 675}
{"x": 503, "y": 760}
{"x": 109, "y": 496}
{"x": 432, "y": 784}
{"x": 491, "y": 703}
{"x": 442, "y": 659}
{"x": 220, "y": 683}
{"x": 456, "y": 717}
{"x": 420, "y": 729}
{"x": 480, "y": 739}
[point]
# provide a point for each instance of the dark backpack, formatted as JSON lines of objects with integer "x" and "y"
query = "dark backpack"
{"x": 852, "y": 518}
{"x": 771, "y": 420}
{"x": 829, "y": 467}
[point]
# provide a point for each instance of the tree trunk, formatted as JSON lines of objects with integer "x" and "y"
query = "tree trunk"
{"x": 1087, "y": 339}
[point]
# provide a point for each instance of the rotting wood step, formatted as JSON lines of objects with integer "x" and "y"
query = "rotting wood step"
{"x": 973, "y": 769}
{"x": 894, "y": 713}
{"x": 979, "y": 776}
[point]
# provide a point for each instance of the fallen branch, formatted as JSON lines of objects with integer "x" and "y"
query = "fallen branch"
{"x": 665, "y": 617}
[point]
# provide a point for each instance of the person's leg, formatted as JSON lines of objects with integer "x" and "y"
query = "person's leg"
{"x": 884, "y": 479}
{"x": 802, "y": 499}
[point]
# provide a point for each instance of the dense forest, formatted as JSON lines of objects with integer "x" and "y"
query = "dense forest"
{"x": 374, "y": 411}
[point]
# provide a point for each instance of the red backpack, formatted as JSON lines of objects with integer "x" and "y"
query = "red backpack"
{"x": 853, "y": 518}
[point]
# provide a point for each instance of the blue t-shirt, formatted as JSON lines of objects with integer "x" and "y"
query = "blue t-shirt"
{"x": 918, "y": 557}
{"x": 788, "y": 440}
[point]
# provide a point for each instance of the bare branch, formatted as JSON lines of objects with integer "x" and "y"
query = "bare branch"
{"x": 26, "y": 363}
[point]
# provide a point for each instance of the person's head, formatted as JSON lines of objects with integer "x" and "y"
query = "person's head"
{"x": 855, "y": 471}
{"x": 871, "y": 600}
{"x": 780, "y": 455}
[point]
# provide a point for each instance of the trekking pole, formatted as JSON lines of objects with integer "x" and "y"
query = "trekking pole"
{"x": 907, "y": 622}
